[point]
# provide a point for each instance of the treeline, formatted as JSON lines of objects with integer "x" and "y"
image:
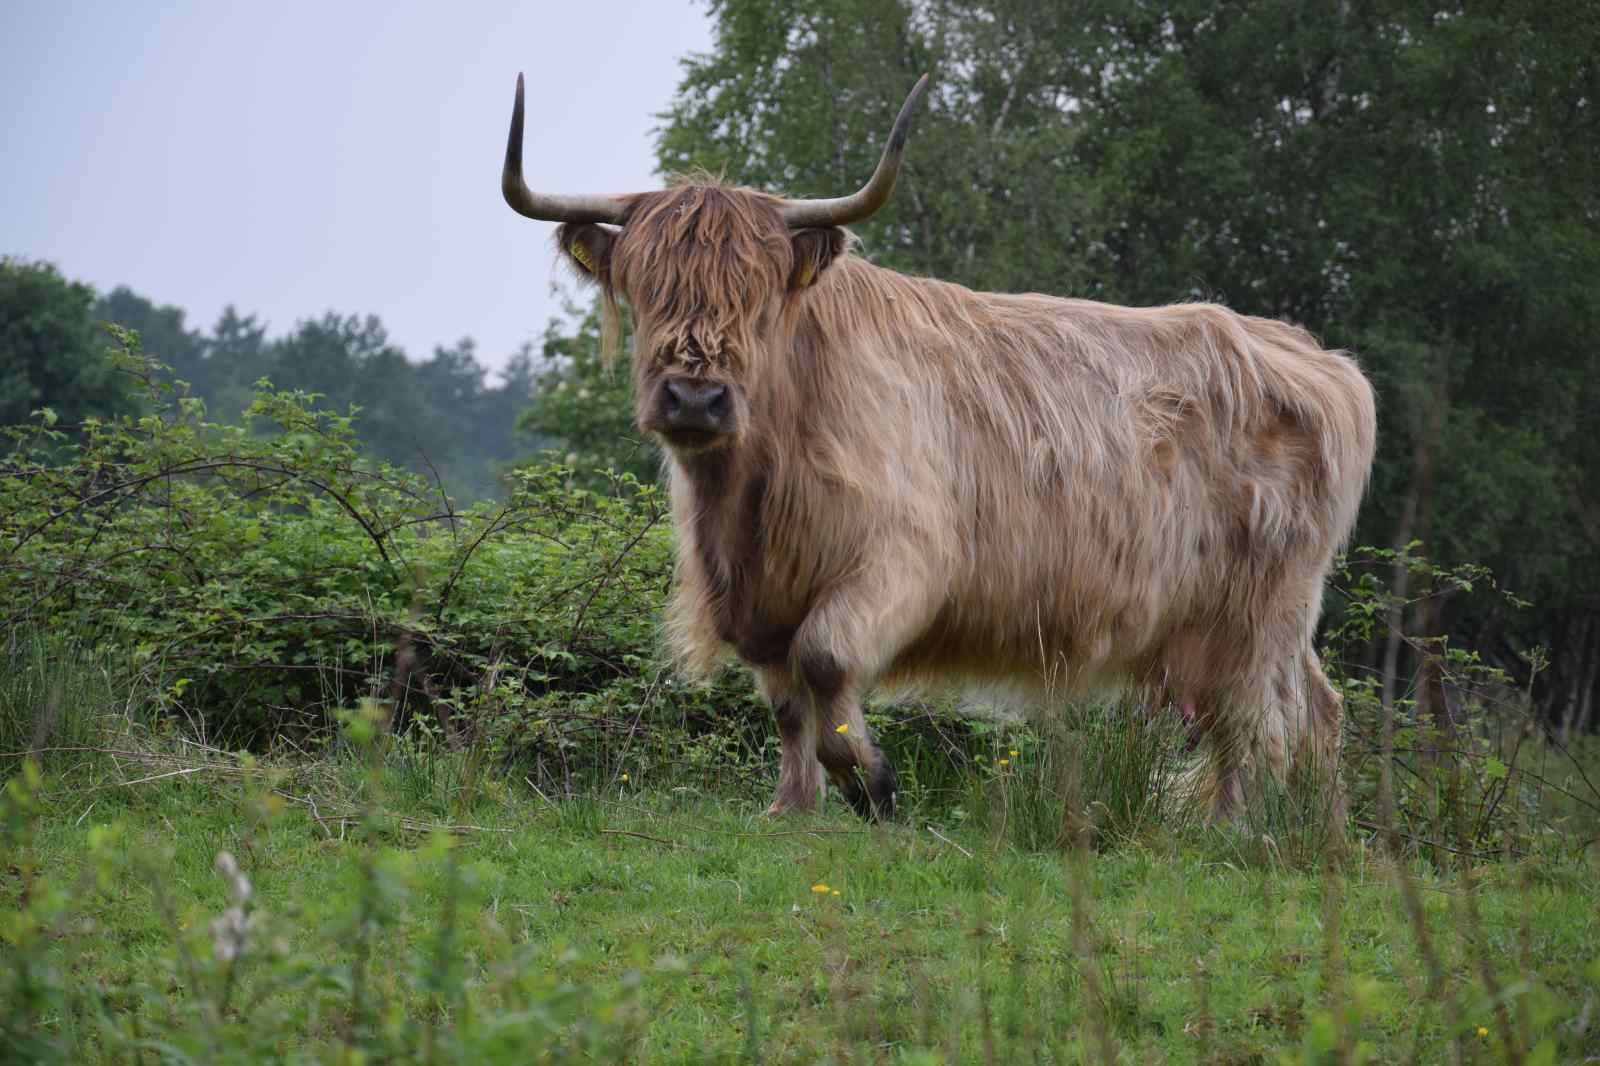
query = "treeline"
{"x": 441, "y": 417}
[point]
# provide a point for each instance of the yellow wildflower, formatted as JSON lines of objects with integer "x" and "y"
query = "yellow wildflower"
{"x": 1013, "y": 753}
{"x": 835, "y": 892}
{"x": 843, "y": 727}
{"x": 1004, "y": 762}
{"x": 624, "y": 778}
{"x": 820, "y": 889}
{"x": 1482, "y": 1031}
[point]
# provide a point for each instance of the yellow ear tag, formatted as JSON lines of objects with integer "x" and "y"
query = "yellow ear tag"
{"x": 807, "y": 274}
{"x": 581, "y": 254}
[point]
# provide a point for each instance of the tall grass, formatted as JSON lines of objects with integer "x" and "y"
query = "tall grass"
{"x": 57, "y": 697}
{"x": 1111, "y": 769}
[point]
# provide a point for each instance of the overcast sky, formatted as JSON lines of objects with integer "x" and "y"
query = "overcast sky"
{"x": 295, "y": 157}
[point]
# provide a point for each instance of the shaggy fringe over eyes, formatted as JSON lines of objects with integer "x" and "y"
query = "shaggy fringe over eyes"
{"x": 701, "y": 262}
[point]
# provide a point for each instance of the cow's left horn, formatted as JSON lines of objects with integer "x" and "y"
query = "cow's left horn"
{"x": 843, "y": 210}
{"x": 543, "y": 206}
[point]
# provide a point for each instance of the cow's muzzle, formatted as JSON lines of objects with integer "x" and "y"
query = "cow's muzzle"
{"x": 693, "y": 412}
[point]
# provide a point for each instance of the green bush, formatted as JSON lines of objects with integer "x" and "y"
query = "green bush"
{"x": 263, "y": 579}
{"x": 586, "y": 403}
{"x": 1454, "y": 760}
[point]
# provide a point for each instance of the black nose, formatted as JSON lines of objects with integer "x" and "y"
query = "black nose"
{"x": 690, "y": 403}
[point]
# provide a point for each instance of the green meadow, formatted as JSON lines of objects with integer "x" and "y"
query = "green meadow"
{"x": 168, "y": 902}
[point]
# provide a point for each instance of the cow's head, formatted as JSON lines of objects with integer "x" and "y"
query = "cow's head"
{"x": 709, "y": 273}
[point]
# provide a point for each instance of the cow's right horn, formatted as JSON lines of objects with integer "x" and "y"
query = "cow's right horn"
{"x": 543, "y": 206}
{"x": 864, "y": 203}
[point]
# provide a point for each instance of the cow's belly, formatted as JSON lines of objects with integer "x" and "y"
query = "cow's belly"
{"x": 1039, "y": 649}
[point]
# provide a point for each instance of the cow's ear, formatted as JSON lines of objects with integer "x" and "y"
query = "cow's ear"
{"x": 587, "y": 247}
{"x": 814, "y": 250}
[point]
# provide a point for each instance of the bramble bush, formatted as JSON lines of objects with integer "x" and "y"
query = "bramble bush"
{"x": 1455, "y": 758}
{"x": 262, "y": 576}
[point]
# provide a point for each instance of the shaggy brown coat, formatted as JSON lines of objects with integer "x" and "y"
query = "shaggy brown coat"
{"x": 931, "y": 484}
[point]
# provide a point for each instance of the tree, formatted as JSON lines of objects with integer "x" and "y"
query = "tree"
{"x": 51, "y": 351}
{"x": 162, "y": 333}
{"x": 440, "y": 417}
{"x": 350, "y": 362}
{"x": 797, "y": 96}
{"x": 1414, "y": 183}
{"x": 237, "y": 356}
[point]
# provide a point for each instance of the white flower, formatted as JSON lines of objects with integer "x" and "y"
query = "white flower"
{"x": 228, "y": 867}
{"x": 229, "y": 933}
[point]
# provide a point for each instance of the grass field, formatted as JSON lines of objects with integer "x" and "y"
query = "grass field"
{"x": 379, "y": 917}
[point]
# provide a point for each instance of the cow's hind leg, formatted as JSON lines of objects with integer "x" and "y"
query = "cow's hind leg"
{"x": 1316, "y": 754}
{"x": 1228, "y": 717}
{"x": 1223, "y": 795}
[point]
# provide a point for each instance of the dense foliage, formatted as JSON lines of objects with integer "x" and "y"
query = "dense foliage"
{"x": 258, "y": 581}
{"x": 50, "y": 349}
{"x": 1411, "y": 182}
{"x": 262, "y": 581}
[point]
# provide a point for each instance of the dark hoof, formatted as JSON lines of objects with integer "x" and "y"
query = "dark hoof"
{"x": 873, "y": 801}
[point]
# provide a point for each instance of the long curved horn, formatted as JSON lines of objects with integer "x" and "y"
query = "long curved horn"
{"x": 843, "y": 210}
{"x": 542, "y": 206}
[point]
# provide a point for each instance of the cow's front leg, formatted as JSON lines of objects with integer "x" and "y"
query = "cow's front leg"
{"x": 856, "y": 766}
{"x": 799, "y": 773}
{"x": 818, "y": 708}
{"x": 845, "y": 642}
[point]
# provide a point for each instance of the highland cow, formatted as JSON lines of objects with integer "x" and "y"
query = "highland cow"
{"x": 882, "y": 479}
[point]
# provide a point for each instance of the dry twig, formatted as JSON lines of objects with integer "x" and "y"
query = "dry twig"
{"x": 641, "y": 836}
{"x": 952, "y": 843}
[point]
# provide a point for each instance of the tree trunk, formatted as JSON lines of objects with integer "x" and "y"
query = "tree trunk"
{"x": 1399, "y": 585}
{"x": 1582, "y": 716}
{"x": 1564, "y": 697}
{"x": 1429, "y": 620}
